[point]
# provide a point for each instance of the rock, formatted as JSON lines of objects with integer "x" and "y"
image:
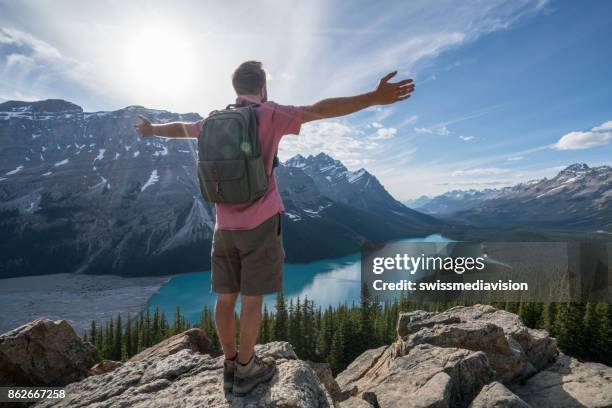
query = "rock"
{"x": 569, "y": 383}
{"x": 539, "y": 349}
{"x": 355, "y": 402}
{"x": 105, "y": 366}
{"x": 347, "y": 379}
{"x": 190, "y": 379}
{"x": 276, "y": 350}
{"x": 428, "y": 376}
{"x": 44, "y": 353}
{"x": 505, "y": 354}
{"x": 412, "y": 322}
{"x": 496, "y": 395}
{"x": 324, "y": 373}
{"x": 192, "y": 339}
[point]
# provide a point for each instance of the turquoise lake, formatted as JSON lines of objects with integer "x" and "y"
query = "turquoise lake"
{"x": 326, "y": 282}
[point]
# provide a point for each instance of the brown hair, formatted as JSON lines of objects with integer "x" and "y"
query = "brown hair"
{"x": 249, "y": 78}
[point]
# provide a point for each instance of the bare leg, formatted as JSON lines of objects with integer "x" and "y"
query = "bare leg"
{"x": 250, "y": 319}
{"x": 226, "y": 322}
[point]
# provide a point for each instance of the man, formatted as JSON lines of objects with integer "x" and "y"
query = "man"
{"x": 247, "y": 248}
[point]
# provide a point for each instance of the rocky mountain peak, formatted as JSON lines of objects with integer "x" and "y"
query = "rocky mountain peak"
{"x": 574, "y": 170}
{"x": 296, "y": 161}
{"x": 48, "y": 105}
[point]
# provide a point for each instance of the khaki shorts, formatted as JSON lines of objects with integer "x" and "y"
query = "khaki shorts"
{"x": 249, "y": 261}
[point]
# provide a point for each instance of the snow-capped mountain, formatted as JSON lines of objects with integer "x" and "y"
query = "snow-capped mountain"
{"x": 578, "y": 197}
{"x": 80, "y": 192}
{"x": 417, "y": 202}
{"x": 452, "y": 201}
{"x": 359, "y": 189}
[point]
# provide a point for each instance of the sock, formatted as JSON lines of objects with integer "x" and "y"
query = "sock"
{"x": 248, "y": 362}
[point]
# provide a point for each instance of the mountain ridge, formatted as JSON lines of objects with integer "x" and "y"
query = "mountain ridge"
{"x": 577, "y": 197}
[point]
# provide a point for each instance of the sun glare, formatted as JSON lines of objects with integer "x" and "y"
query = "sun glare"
{"x": 158, "y": 61}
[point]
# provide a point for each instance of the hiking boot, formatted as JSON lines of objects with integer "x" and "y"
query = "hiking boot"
{"x": 250, "y": 375}
{"x": 229, "y": 369}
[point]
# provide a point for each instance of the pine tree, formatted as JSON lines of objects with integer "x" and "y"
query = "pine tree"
{"x": 280, "y": 324}
{"x": 603, "y": 332}
{"x": 264, "y": 332}
{"x": 116, "y": 353}
{"x": 127, "y": 351}
{"x": 547, "y": 317}
{"x": 366, "y": 320}
{"x": 568, "y": 328}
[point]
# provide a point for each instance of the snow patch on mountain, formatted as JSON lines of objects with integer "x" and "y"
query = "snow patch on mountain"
{"x": 153, "y": 178}
{"x": 17, "y": 170}
{"x": 100, "y": 155}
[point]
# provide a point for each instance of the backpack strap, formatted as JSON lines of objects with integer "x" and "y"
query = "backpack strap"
{"x": 276, "y": 161}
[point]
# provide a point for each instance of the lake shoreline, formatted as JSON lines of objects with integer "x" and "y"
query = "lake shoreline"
{"x": 77, "y": 298}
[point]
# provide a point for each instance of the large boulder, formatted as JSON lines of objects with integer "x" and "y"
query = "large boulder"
{"x": 535, "y": 348}
{"x": 496, "y": 395}
{"x": 450, "y": 359}
{"x": 569, "y": 383}
{"x": 190, "y": 379}
{"x": 504, "y": 353}
{"x": 428, "y": 376}
{"x": 44, "y": 353}
{"x": 192, "y": 339}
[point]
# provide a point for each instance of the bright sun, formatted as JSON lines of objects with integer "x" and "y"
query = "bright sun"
{"x": 159, "y": 61}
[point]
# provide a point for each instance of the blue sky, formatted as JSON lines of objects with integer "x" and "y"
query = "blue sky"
{"x": 506, "y": 91}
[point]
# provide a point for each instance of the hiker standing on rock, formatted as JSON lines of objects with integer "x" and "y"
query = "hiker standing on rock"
{"x": 237, "y": 156}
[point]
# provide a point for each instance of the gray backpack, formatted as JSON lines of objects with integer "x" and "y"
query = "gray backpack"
{"x": 231, "y": 168}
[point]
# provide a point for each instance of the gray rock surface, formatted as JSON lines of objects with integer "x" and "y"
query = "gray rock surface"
{"x": 358, "y": 369}
{"x": 430, "y": 376}
{"x": 44, "y": 353}
{"x": 325, "y": 375}
{"x": 452, "y": 359}
{"x": 569, "y": 383}
{"x": 192, "y": 339}
{"x": 505, "y": 355}
{"x": 354, "y": 402}
{"x": 533, "y": 349}
{"x": 188, "y": 379}
{"x": 105, "y": 366}
{"x": 496, "y": 395}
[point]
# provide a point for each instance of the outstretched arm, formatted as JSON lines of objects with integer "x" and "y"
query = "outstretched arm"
{"x": 170, "y": 130}
{"x": 385, "y": 93}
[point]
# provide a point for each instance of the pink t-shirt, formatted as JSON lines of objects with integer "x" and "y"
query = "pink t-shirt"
{"x": 275, "y": 121}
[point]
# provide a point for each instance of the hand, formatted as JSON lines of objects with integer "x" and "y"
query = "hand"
{"x": 145, "y": 128}
{"x": 391, "y": 92}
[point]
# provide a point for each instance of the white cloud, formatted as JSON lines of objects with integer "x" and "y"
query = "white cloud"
{"x": 335, "y": 138}
{"x": 384, "y": 133}
{"x": 604, "y": 126}
{"x": 478, "y": 172}
{"x": 377, "y": 125}
{"x": 410, "y": 120}
{"x": 312, "y": 49}
{"x": 515, "y": 158}
{"x": 439, "y": 129}
{"x": 32, "y": 65}
{"x": 582, "y": 140}
{"x": 467, "y": 138}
